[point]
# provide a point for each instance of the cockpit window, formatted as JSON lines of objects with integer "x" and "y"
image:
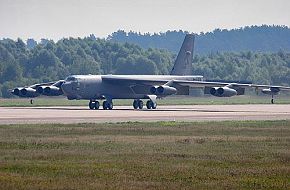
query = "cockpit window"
{"x": 68, "y": 79}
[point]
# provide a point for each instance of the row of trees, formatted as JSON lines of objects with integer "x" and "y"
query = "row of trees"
{"x": 251, "y": 38}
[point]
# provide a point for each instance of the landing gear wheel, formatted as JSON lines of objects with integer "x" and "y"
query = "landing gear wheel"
{"x": 148, "y": 104}
{"x": 272, "y": 100}
{"x": 154, "y": 105}
{"x": 97, "y": 105}
{"x": 107, "y": 105}
{"x": 92, "y": 105}
{"x": 140, "y": 104}
{"x": 110, "y": 105}
{"x": 135, "y": 104}
{"x": 151, "y": 105}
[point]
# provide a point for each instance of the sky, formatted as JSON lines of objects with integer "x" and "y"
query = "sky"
{"x": 56, "y": 19}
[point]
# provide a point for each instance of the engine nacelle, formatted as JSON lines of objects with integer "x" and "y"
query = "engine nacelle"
{"x": 25, "y": 92}
{"x": 49, "y": 90}
{"x": 271, "y": 91}
{"x": 163, "y": 90}
{"x": 223, "y": 92}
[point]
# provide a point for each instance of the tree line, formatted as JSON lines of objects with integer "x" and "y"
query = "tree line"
{"x": 250, "y": 38}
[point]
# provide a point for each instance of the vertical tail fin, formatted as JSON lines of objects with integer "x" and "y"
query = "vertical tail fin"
{"x": 183, "y": 62}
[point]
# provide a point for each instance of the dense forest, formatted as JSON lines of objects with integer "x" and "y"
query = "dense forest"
{"x": 255, "y": 38}
{"x": 31, "y": 62}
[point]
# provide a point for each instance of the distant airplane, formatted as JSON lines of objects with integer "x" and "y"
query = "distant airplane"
{"x": 138, "y": 87}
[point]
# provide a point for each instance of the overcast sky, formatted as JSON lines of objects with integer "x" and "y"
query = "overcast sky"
{"x": 55, "y": 19}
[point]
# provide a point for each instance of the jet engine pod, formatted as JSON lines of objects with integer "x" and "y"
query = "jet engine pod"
{"x": 223, "y": 91}
{"x": 25, "y": 92}
{"x": 153, "y": 89}
{"x": 163, "y": 90}
{"x": 52, "y": 91}
{"x": 16, "y": 91}
{"x": 39, "y": 89}
{"x": 271, "y": 91}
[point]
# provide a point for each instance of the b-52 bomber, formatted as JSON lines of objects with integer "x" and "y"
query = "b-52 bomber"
{"x": 139, "y": 87}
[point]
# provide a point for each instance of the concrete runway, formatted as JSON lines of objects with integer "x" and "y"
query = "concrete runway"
{"x": 72, "y": 114}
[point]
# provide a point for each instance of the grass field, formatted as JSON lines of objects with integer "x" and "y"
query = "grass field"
{"x": 182, "y": 100}
{"x": 162, "y": 155}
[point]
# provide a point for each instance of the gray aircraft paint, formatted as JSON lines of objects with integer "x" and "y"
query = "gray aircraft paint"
{"x": 183, "y": 62}
{"x": 117, "y": 86}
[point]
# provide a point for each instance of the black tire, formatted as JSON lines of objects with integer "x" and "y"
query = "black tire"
{"x": 105, "y": 105}
{"x": 92, "y": 105}
{"x": 140, "y": 104}
{"x": 97, "y": 105}
{"x": 110, "y": 105}
{"x": 135, "y": 104}
{"x": 153, "y": 105}
{"x": 148, "y": 104}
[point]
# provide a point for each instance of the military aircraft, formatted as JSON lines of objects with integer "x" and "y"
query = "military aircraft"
{"x": 138, "y": 87}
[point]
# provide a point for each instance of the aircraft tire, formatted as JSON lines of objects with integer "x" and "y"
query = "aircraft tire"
{"x": 148, "y": 104}
{"x": 105, "y": 105}
{"x": 135, "y": 104}
{"x": 140, "y": 104}
{"x": 110, "y": 105}
{"x": 97, "y": 105}
{"x": 154, "y": 105}
{"x": 92, "y": 105}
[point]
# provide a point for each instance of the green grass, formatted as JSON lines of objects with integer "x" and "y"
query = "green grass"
{"x": 166, "y": 101}
{"x": 161, "y": 155}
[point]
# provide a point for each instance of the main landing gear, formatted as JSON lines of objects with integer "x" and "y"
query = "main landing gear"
{"x": 94, "y": 105}
{"x": 138, "y": 104}
{"x": 107, "y": 105}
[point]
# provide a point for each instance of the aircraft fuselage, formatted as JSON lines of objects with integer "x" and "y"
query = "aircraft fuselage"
{"x": 98, "y": 87}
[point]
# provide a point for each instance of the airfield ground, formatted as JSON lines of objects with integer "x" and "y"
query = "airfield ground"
{"x": 172, "y": 153}
{"x": 159, "y": 155}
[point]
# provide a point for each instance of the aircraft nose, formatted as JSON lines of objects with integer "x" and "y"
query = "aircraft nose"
{"x": 66, "y": 88}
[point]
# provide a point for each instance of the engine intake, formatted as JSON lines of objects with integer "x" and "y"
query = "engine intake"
{"x": 223, "y": 92}
{"x": 50, "y": 91}
{"x": 163, "y": 90}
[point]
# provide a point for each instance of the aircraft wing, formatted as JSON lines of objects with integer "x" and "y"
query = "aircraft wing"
{"x": 202, "y": 84}
{"x": 121, "y": 80}
{"x": 34, "y": 86}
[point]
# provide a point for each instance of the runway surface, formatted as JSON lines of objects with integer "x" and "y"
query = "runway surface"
{"x": 72, "y": 114}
